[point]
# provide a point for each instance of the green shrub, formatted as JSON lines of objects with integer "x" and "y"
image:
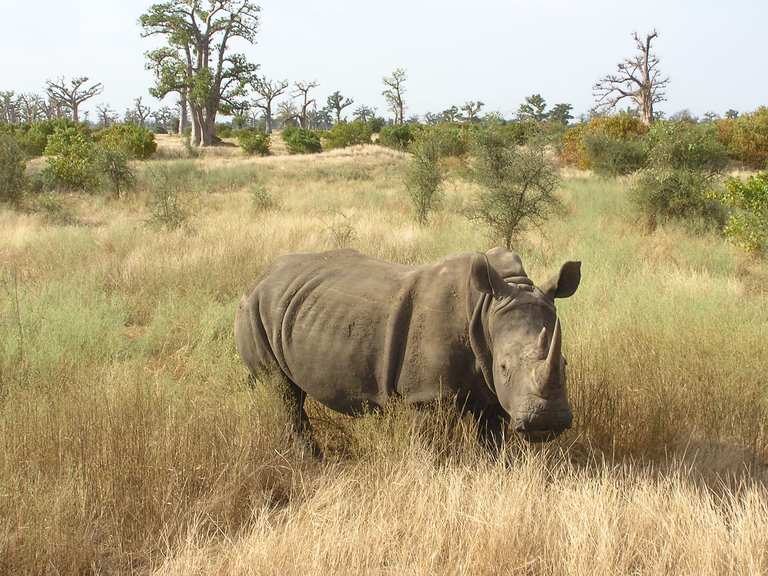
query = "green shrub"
{"x": 376, "y": 124}
{"x": 423, "y": 177}
{"x": 517, "y": 185}
{"x": 301, "y": 141}
{"x": 254, "y": 142}
{"x": 33, "y": 139}
{"x": 168, "y": 183}
{"x": 685, "y": 146}
{"x": 136, "y": 141}
{"x": 664, "y": 194}
{"x": 611, "y": 156}
{"x": 261, "y": 199}
{"x": 685, "y": 162}
{"x": 519, "y": 133}
{"x": 452, "y": 140}
{"x": 747, "y": 224}
{"x": 397, "y": 136}
{"x": 346, "y": 134}
{"x": 746, "y": 137}
{"x": 12, "y": 167}
{"x": 112, "y": 163}
{"x": 224, "y": 131}
{"x": 72, "y": 160}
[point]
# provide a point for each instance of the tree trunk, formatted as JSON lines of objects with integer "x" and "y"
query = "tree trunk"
{"x": 268, "y": 118}
{"x": 75, "y": 115}
{"x": 184, "y": 115}
{"x": 196, "y": 128}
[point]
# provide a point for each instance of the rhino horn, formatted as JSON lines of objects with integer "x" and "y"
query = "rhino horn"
{"x": 542, "y": 345}
{"x": 548, "y": 372}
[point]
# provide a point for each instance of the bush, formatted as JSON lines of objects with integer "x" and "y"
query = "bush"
{"x": 452, "y": 140}
{"x": 423, "y": 177}
{"x": 254, "y": 142}
{"x": 136, "y": 141}
{"x": 12, "y": 167}
{"x": 685, "y": 146}
{"x": 346, "y": 134}
{"x": 611, "y": 156}
{"x": 747, "y": 224}
{"x": 518, "y": 185}
{"x": 746, "y": 137}
{"x": 113, "y": 164}
{"x": 72, "y": 160}
{"x": 224, "y": 131}
{"x": 398, "y": 136}
{"x": 574, "y": 152}
{"x": 685, "y": 161}
{"x": 261, "y": 199}
{"x": 667, "y": 194}
{"x": 168, "y": 183}
{"x": 301, "y": 141}
{"x": 604, "y": 134}
{"x": 376, "y": 124}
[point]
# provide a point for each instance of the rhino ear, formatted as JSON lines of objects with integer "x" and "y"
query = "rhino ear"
{"x": 485, "y": 278}
{"x": 565, "y": 283}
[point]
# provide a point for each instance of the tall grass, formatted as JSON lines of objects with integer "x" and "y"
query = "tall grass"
{"x": 131, "y": 442}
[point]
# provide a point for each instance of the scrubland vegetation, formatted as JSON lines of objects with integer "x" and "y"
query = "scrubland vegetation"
{"x": 132, "y": 443}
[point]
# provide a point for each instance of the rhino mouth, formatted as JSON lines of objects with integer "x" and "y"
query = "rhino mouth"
{"x": 539, "y": 436}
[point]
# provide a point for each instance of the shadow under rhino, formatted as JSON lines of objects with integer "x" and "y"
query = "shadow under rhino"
{"x": 352, "y": 332}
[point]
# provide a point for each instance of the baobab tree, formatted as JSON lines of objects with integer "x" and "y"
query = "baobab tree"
{"x": 267, "y": 90}
{"x": 139, "y": 113}
{"x": 302, "y": 91}
{"x": 637, "y": 78}
{"x": 393, "y": 93}
{"x": 337, "y": 103}
{"x": 471, "y": 110}
{"x": 72, "y": 94}
{"x": 451, "y": 114}
{"x": 198, "y": 62}
{"x": 9, "y": 107}
{"x": 30, "y": 108}
{"x": 105, "y": 115}
{"x": 287, "y": 113}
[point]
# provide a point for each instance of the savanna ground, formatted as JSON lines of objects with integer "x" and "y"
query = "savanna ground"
{"x": 131, "y": 443}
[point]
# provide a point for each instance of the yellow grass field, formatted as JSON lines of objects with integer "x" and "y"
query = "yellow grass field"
{"x": 130, "y": 442}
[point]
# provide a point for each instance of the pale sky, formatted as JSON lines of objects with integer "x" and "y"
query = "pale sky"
{"x": 492, "y": 50}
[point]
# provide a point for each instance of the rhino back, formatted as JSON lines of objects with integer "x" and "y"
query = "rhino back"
{"x": 352, "y": 330}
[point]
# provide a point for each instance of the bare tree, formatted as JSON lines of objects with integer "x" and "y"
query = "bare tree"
{"x": 105, "y": 115}
{"x": 140, "y": 112}
{"x": 471, "y": 110}
{"x": 287, "y": 112}
{"x": 267, "y": 90}
{"x": 337, "y": 103}
{"x": 72, "y": 94}
{"x": 393, "y": 93}
{"x": 8, "y": 107}
{"x": 637, "y": 78}
{"x": 451, "y": 114}
{"x": 30, "y": 108}
{"x": 302, "y": 91}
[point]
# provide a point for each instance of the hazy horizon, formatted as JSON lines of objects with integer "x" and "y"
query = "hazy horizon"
{"x": 492, "y": 51}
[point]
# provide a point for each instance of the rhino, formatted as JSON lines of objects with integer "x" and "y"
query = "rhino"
{"x": 354, "y": 332}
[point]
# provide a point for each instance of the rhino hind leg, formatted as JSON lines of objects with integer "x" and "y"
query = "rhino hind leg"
{"x": 301, "y": 427}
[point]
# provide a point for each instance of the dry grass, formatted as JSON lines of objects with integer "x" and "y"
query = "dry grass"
{"x": 130, "y": 443}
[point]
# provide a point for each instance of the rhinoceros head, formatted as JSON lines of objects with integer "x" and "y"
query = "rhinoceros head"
{"x": 525, "y": 342}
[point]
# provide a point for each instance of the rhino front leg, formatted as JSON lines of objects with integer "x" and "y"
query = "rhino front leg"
{"x": 300, "y": 424}
{"x": 491, "y": 430}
